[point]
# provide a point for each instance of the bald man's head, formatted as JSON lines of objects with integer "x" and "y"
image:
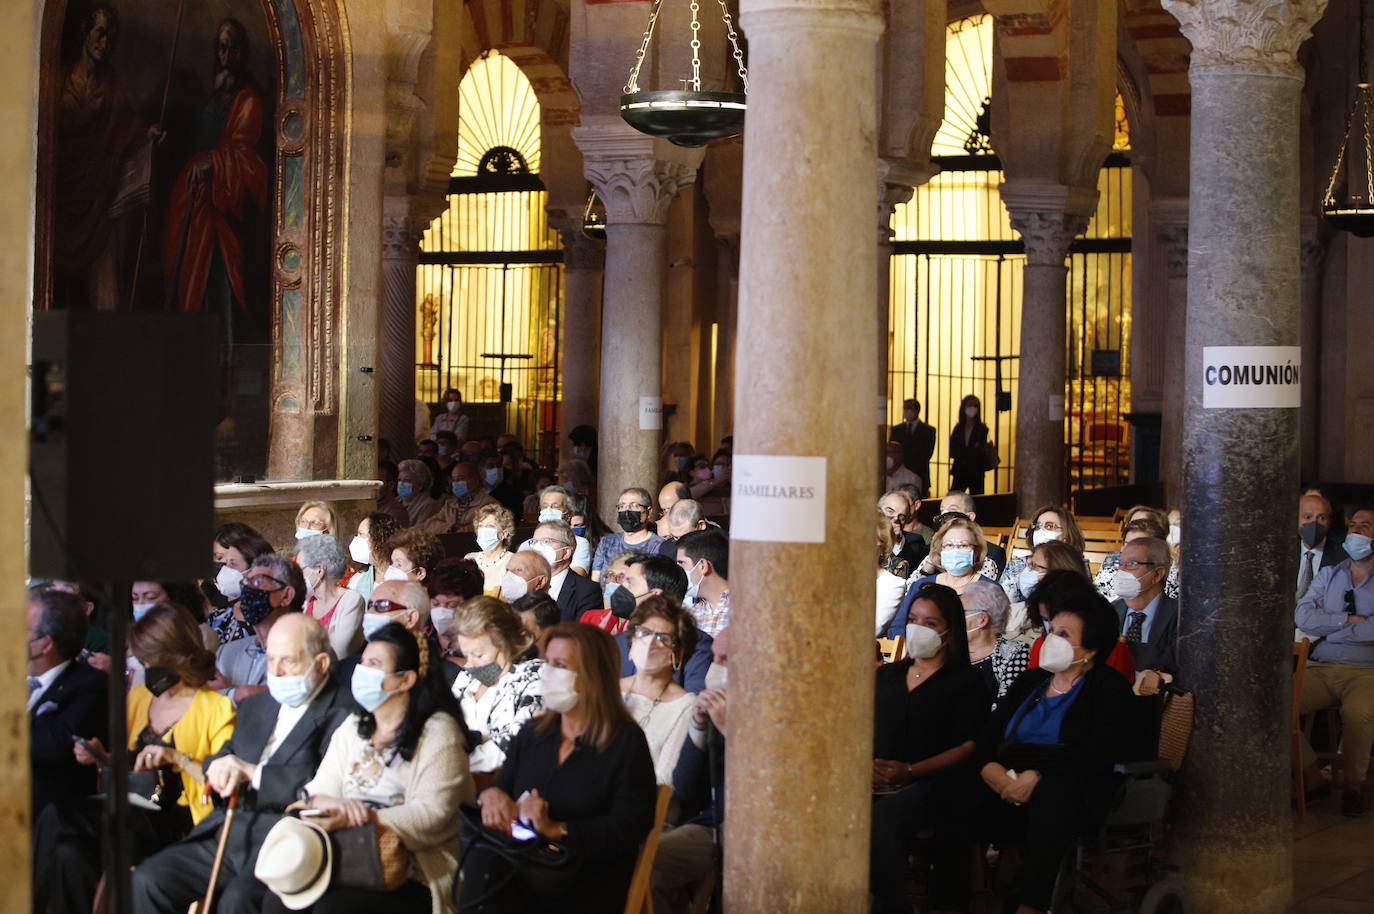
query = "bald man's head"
{"x": 533, "y": 568}
{"x": 409, "y": 603}
{"x": 297, "y": 646}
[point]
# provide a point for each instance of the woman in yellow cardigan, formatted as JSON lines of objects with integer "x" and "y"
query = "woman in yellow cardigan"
{"x": 174, "y": 723}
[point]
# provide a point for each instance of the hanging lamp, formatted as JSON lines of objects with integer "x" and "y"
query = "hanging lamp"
{"x": 594, "y": 218}
{"x": 687, "y": 116}
{"x": 1353, "y": 209}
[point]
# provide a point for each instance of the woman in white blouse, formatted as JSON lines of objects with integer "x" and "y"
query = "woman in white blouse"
{"x": 494, "y": 526}
{"x": 498, "y": 688}
{"x": 662, "y": 635}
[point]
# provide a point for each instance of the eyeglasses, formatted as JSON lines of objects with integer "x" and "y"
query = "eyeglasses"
{"x": 942, "y": 519}
{"x": 315, "y": 524}
{"x": 1048, "y": 525}
{"x": 385, "y": 606}
{"x": 624, "y": 507}
{"x": 662, "y": 639}
{"x": 948, "y": 545}
{"x": 1132, "y": 565}
{"x": 264, "y": 582}
{"x": 550, "y": 542}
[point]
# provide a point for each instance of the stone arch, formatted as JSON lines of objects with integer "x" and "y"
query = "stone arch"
{"x": 542, "y": 24}
{"x": 310, "y": 49}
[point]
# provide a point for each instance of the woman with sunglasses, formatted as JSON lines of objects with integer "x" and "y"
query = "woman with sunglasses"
{"x": 662, "y": 635}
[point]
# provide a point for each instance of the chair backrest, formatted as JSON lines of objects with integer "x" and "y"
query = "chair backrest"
{"x": 1095, "y": 559}
{"x": 1175, "y": 726}
{"x": 1301, "y": 650}
{"x": 1090, "y": 522}
{"x": 892, "y": 649}
{"x": 637, "y": 900}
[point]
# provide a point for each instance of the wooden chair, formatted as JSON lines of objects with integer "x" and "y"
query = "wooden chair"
{"x": 1089, "y": 522}
{"x": 892, "y": 649}
{"x": 640, "y": 900}
{"x": 1300, "y": 651}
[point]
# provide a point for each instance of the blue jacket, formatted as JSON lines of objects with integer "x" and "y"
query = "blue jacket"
{"x": 897, "y": 626}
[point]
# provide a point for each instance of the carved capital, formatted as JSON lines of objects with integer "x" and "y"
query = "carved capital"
{"x": 579, "y": 251}
{"x": 1047, "y": 234}
{"x": 1260, "y": 36}
{"x": 637, "y": 191}
{"x": 1174, "y": 238}
{"x": 401, "y": 232}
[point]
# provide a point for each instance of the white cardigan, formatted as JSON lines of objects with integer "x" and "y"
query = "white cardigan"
{"x": 437, "y": 782}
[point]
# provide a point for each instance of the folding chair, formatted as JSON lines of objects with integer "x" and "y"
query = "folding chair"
{"x": 640, "y": 900}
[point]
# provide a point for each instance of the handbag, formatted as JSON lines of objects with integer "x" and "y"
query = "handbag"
{"x": 370, "y": 857}
{"x": 991, "y": 459}
{"x": 546, "y": 868}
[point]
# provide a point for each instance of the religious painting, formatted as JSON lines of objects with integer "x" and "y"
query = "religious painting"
{"x": 164, "y": 161}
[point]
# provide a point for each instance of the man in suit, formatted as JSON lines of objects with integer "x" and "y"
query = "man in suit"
{"x": 574, "y": 593}
{"x": 1149, "y": 619}
{"x": 650, "y": 573}
{"x": 917, "y": 440}
{"x": 66, "y": 698}
{"x": 1317, "y": 548}
{"x": 277, "y": 745}
{"x": 962, "y": 504}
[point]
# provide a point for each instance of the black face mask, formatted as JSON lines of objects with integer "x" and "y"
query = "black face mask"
{"x": 159, "y": 679}
{"x": 488, "y": 674}
{"x": 1312, "y": 533}
{"x": 630, "y": 521}
{"x": 255, "y": 604}
{"x": 623, "y": 603}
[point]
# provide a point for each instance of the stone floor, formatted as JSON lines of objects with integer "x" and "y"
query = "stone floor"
{"x": 1333, "y": 863}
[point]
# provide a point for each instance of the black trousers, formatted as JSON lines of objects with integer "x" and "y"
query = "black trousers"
{"x": 169, "y": 881}
{"x": 410, "y": 898}
{"x": 897, "y": 819}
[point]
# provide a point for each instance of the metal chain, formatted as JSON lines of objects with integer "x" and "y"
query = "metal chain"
{"x": 1368, "y": 150}
{"x": 1330, "y": 198}
{"x": 734, "y": 43}
{"x": 696, "y": 47}
{"x": 633, "y": 84}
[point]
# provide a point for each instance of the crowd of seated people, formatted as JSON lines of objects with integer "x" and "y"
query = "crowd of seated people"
{"x": 545, "y": 683}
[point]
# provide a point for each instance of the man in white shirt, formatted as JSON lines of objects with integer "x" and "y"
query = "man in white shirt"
{"x": 574, "y": 593}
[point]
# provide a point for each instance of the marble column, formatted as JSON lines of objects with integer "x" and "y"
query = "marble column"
{"x": 1313, "y": 258}
{"x": 582, "y": 261}
{"x": 1173, "y": 239}
{"x": 396, "y": 371}
{"x": 637, "y": 191}
{"x": 803, "y": 740}
{"x": 1040, "y": 467}
{"x": 1233, "y": 826}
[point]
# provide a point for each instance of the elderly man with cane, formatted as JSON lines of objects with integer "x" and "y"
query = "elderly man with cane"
{"x": 280, "y": 738}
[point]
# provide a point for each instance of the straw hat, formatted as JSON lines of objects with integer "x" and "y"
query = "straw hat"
{"x": 295, "y": 862}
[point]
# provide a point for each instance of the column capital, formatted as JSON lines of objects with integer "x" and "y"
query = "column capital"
{"x": 401, "y": 229}
{"x": 1047, "y": 234}
{"x": 579, "y": 251}
{"x": 636, "y": 176}
{"x": 1254, "y": 36}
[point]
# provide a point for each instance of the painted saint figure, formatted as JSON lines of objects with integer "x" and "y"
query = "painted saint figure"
{"x": 220, "y": 194}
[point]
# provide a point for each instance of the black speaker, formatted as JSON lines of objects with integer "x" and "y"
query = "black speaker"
{"x": 121, "y": 452}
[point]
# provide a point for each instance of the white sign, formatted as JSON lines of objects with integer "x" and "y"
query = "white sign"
{"x": 1056, "y": 407}
{"x": 650, "y": 413}
{"x": 777, "y": 499}
{"x": 1251, "y": 377}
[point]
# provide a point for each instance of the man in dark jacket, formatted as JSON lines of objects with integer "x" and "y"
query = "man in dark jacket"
{"x": 275, "y": 750}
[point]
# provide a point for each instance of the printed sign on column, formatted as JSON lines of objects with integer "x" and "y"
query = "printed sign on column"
{"x": 777, "y": 499}
{"x": 650, "y": 413}
{"x": 1251, "y": 377}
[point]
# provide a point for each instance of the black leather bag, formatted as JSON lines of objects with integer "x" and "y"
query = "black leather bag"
{"x": 545, "y": 869}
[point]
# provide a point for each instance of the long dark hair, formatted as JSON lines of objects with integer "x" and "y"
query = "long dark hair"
{"x": 430, "y": 694}
{"x": 963, "y": 404}
{"x": 951, "y": 609}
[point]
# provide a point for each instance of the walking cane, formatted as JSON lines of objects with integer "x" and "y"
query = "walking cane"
{"x": 208, "y": 901}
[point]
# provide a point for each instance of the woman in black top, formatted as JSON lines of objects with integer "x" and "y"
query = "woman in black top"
{"x": 1047, "y": 752}
{"x": 927, "y": 711}
{"x": 967, "y": 462}
{"x": 579, "y": 774}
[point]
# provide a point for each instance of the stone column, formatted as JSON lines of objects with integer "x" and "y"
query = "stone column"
{"x": 1233, "y": 824}
{"x": 637, "y": 188}
{"x": 1173, "y": 239}
{"x": 1039, "y": 458}
{"x": 805, "y": 344}
{"x": 396, "y": 371}
{"x": 582, "y": 261}
{"x": 893, "y": 191}
{"x": 1313, "y": 257}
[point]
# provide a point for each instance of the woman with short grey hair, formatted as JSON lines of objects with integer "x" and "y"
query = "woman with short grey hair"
{"x": 985, "y": 615}
{"x": 323, "y": 564}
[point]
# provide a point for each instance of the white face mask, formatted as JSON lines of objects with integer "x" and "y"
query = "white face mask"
{"x": 542, "y": 549}
{"x": 548, "y": 514}
{"x": 1041, "y": 536}
{"x": 1175, "y": 533}
{"x": 395, "y": 574}
{"x": 359, "y": 551}
{"x": 1056, "y": 654}
{"x": 487, "y": 538}
{"x": 971, "y": 411}
{"x": 560, "y": 688}
{"x": 513, "y": 587}
{"x": 230, "y": 582}
{"x": 1126, "y": 585}
{"x": 717, "y": 676}
{"x": 442, "y": 617}
{"x": 968, "y": 617}
{"x": 922, "y": 642}
{"x": 311, "y": 585}
{"x": 306, "y": 533}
